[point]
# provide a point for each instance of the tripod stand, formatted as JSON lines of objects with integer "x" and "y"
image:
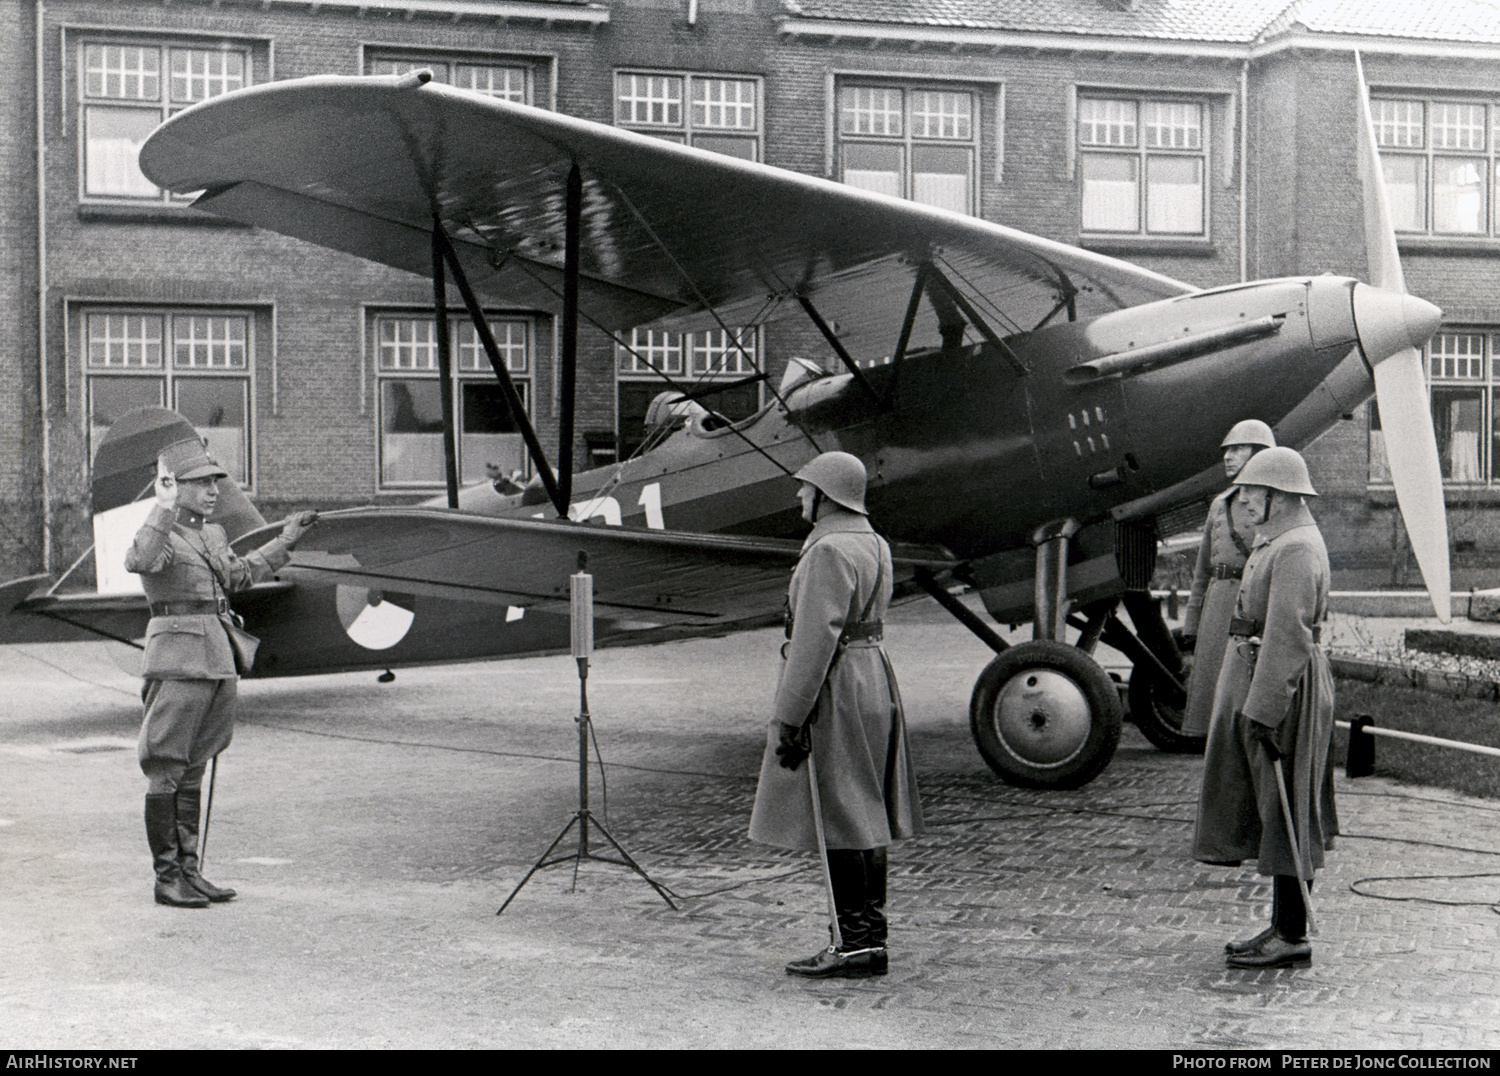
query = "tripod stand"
{"x": 581, "y": 587}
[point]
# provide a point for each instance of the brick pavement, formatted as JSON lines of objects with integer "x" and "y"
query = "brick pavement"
{"x": 373, "y": 831}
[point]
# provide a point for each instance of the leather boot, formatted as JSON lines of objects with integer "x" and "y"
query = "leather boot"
{"x": 857, "y": 957}
{"x": 875, "y": 870}
{"x": 189, "y": 803}
{"x": 161, "y": 834}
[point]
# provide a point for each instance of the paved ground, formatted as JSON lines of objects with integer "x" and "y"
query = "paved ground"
{"x": 373, "y": 830}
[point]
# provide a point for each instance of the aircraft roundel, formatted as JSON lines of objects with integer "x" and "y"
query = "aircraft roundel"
{"x": 375, "y": 620}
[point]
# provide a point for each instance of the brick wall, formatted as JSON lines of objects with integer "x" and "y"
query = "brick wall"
{"x": 318, "y": 444}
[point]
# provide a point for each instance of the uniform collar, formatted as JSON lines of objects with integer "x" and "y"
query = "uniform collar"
{"x": 838, "y": 521}
{"x": 1297, "y": 517}
{"x": 186, "y": 517}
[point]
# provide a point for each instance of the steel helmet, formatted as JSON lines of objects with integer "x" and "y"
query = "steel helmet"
{"x": 1282, "y": 468}
{"x": 1250, "y": 431}
{"x": 840, "y": 477}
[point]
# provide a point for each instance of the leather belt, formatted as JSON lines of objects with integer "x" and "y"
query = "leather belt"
{"x": 1227, "y": 571}
{"x": 198, "y": 608}
{"x": 863, "y": 631}
{"x": 1245, "y": 628}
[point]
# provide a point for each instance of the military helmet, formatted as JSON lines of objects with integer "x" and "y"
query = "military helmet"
{"x": 187, "y": 459}
{"x": 1250, "y": 431}
{"x": 1281, "y": 468}
{"x": 840, "y": 477}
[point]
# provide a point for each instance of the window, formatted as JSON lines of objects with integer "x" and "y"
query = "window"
{"x": 1461, "y": 374}
{"x": 1439, "y": 162}
{"x": 909, "y": 142}
{"x": 196, "y": 362}
{"x": 690, "y": 359}
{"x": 509, "y": 80}
{"x": 410, "y": 399}
{"x": 127, "y": 90}
{"x": 712, "y": 112}
{"x": 1143, "y": 163}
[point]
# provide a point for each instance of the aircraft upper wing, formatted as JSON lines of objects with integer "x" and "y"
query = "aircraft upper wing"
{"x": 364, "y": 165}
{"x": 658, "y": 577}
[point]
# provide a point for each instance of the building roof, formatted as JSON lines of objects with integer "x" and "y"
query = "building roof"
{"x": 1221, "y": 21}
{"x": 1471, "y": 21}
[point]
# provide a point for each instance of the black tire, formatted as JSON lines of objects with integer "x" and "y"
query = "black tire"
{"x": 1045, "y": 715}
{"x": 1159, "y": 720}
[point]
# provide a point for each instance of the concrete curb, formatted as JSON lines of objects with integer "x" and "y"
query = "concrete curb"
{"x": 1435, "y": 681}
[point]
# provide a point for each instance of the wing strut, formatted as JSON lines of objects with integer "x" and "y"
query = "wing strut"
{"x": 838, "y": 347}
{"x": 967, "y": 309}
{"x": 507, "y": 386}
{"x": 912, "y": 306}
{"x": 569, "y": 336}
{"x": 445, "y": 362}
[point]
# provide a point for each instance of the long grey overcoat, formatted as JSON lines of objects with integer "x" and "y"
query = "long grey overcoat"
{"x": 866, "y": 783}
{"x": 1226, "y": 543}
{"x": 1288, "y": 687}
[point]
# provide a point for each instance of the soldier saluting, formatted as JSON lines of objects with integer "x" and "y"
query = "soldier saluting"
{"x": 1274, "y": 702}
{"x": 837, "y": 700}
{"x": 194, "y": 653}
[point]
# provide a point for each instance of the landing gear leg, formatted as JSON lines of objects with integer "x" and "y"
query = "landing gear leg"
{"x": 1043, "y": 713}
{"x": 1158, "y": 682}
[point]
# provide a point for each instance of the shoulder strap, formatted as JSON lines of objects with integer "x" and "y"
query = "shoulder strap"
{"x": 1234, "y": 535}
{"x": 200, "y": 547}
{"x": 879, "y": 580}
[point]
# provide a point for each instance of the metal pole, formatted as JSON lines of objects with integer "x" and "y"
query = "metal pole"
{"x": 583, "y": 756}
{"x": 1291, "y": 834}
{"x": 817, "y": 807}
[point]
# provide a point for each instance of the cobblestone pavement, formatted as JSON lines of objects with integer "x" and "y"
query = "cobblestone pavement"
{"x": 372, "y": 832}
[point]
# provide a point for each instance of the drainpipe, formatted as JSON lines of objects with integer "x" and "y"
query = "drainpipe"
{"x": 1244, "y": 164}
{"x": 41, "y": 289}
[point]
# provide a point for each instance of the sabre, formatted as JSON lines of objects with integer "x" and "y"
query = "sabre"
{"x": 1291, "y": 833}
{"x": 208, "y": 811}
{"x": 817, "y": 807}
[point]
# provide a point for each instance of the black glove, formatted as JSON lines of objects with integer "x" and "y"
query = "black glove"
{"x": 795, "y": 746}
{"x": 1265, "y": 735}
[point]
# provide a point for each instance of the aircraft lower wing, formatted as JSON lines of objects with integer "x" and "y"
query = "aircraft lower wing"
{"x": 364, "y": 165}
{"x": 651, "y": 576}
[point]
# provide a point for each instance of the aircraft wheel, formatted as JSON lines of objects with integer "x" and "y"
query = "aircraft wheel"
{"x": 1159, "y": 721}
{"x": 1045, "y": 715}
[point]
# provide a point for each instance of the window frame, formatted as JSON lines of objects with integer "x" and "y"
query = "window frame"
{"x": 539, "y": 83}
{"x": 1429, "y": 154}
{"x": 168, "y": 374}
{"x": 1486, "y": 384}
{"x": 480, "y": 373}
{"x": 1142, "y": 154}
{"x": 687, "y": 127}
{"x": 684, "y": 374}
{"x": 77, "y": 41}
{"x": 908, "y": 141}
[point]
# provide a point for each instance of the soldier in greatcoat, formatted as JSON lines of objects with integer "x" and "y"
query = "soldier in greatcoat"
{"x": 1216, "y": 578}
{"x": 837, "y": 698}
{"x": 186, "y": 569}
{"x": 1274, "y": 701}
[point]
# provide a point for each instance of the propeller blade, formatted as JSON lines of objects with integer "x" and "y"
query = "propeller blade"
{"x": 1380, "y": 233}
{"x": 1393, "y": 328}
{"x": 1411, "y": 449}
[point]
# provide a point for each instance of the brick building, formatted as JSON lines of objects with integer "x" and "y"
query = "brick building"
{"x": 1210, "y": 141}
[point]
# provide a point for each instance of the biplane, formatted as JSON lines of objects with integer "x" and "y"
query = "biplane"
{"x": 1033, "y": 416}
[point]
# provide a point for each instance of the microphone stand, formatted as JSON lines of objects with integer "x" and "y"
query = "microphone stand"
{"x": 581, "y": 597}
